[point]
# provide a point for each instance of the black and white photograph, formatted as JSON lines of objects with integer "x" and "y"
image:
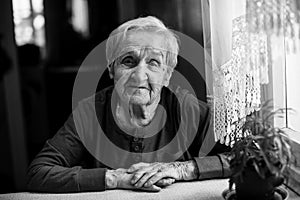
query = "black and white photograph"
{"x": 150, "y": 99}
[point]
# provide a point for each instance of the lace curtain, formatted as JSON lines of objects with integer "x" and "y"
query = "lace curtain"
{"x": 238, "y": 38}
{"x": 241, "y": 40}
{"x": 236, "y": 85}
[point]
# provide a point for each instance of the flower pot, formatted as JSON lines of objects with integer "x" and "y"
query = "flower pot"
{"x": 251, "y": 186}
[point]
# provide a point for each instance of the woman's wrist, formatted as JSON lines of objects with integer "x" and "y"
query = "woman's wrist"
{"x": 188, "y": 170}
{"x": 111, "y": 179}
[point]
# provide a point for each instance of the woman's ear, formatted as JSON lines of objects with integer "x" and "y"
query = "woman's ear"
{"x": 111, "y": 70}
{"x": 167, "y": 77}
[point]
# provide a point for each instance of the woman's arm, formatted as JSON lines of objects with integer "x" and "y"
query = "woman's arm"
{"x": 57, "y": 167}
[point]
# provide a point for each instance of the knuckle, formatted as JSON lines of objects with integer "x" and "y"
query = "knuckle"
{"x": 161, "y": 174}
{"x": 147, "y": 174}
{"x": 136, "y": 177}
{"x": 132, "y": 167}
{"x": 135, "y": 165}
{"x": 139, "y": 172}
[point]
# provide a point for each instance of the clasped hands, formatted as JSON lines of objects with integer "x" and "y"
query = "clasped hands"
{"x": 151, "y": 176}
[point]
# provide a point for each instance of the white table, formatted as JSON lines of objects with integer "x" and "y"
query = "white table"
{"x": 196, "y": 190}
{"x": 200, "y": 190}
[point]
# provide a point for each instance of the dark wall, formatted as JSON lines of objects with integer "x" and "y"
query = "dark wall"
{"x": 6, "y": 172}
{"x": 12, "y": 134}
{"x": 66, "y": 49}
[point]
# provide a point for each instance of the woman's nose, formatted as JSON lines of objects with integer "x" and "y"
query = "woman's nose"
{"x": 140, "y": 72}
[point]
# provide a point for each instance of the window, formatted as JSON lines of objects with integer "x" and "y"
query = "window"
{"x": 293, "y": 90}
{"x": 80, "y": 17}
{"x": 29, "y": 22}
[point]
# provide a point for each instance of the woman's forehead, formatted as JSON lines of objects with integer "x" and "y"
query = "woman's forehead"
{"x": 138, "y": 40}
{"x": 137, "y": 50}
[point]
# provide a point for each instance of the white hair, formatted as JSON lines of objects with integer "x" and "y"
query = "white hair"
{"x": 149, "y": 23}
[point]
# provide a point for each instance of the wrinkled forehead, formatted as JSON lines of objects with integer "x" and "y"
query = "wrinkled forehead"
{"x": 136, "y": 41}
{"x": 142, "y": 51}
{"x": 145, "y": 39}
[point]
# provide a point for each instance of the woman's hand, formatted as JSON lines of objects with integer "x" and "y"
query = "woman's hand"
{"x": 119, "y": 178}
{"x": 162, "y": 174}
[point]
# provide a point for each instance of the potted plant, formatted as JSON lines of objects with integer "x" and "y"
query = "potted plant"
{"x": 259, "y": 159}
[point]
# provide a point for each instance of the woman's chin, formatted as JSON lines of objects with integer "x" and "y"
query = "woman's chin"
{"x": 140, "y": 100}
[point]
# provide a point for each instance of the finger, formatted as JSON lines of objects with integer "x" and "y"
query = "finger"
{"x": 136, "y": 167}
{"x": 121, "y": 170}
{"x": 136, "y": 176}
{"x": 153, "y": 188}
{"x": 168, "y": 182}
{"x": 156, "y": 177}
{"x": 165, "y": 182}
{"x": 144, "y": 178}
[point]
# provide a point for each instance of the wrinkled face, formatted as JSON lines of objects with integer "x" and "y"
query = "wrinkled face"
{"x": 140, "y": 71}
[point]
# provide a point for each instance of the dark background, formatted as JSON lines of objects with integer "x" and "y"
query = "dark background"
{"x": 36, "y": 93}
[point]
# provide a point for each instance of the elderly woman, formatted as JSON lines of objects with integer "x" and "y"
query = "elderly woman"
{"x": 156, "y": 132}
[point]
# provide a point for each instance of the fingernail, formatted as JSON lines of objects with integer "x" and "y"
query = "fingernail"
{"x": 157, "y": 189}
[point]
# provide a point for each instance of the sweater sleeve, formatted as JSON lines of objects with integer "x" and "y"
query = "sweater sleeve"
{"x": 57, "y": 168}
{"x": 213, "y": 166}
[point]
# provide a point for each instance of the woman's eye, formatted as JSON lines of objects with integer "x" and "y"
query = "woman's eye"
{"x": 154, "y": 63}
{"x": 129, "y": 61}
